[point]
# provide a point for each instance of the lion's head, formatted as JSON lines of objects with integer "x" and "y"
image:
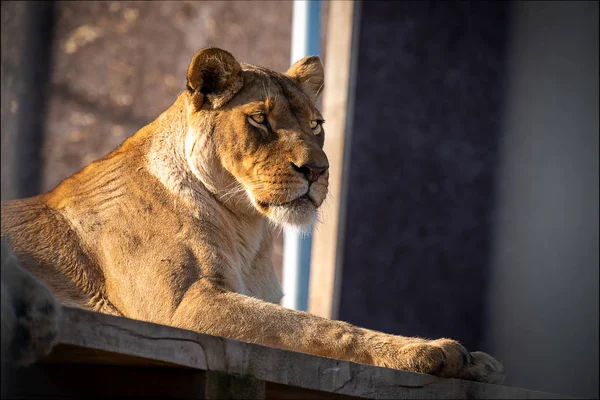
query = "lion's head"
{"x": 255, "y": 137}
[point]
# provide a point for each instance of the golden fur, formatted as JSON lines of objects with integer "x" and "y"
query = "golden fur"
{"x": 176, "y": 225}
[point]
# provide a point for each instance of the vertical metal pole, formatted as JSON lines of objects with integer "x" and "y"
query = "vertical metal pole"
{"x": 306, "y": 38}
{"x": 26, "y": 68}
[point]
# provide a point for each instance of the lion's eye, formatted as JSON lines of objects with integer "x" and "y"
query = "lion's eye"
{"x": 258, "y": 118}
{"x": 316, "y": 127}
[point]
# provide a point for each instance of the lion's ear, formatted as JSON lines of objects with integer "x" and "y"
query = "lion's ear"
{"x": 308, "y": 72}
{"x": 214, "y": 76}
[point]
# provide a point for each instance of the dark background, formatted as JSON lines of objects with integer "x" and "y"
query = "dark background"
{"x": 424, "y": 155}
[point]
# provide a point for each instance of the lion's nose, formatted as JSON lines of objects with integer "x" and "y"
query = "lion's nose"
{"x": 311, "y": 172}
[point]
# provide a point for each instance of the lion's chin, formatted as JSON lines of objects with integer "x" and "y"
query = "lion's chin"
{"x": 300, "y": 213}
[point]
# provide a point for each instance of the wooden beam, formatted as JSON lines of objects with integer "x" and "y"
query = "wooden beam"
{"x": 99, "y": 354}
{"x": 328, "y": 234}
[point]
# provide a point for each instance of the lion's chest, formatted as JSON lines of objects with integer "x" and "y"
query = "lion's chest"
{"x": 173, "y": 252}
{"x": 261, "y": 282}
{"x": 254, "y": 272}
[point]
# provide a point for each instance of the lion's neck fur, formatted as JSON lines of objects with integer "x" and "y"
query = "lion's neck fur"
{"x": 167, "y": 160}
{"x": 185, "y": 165}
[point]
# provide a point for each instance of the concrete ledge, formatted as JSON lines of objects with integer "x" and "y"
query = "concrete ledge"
{"x": 111, "y": 348}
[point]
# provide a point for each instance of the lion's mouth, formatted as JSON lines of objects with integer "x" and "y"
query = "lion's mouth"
{"x": 298, "y": 201}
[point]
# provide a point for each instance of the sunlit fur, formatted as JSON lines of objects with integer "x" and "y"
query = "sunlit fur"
{"x": 177, "y": 225}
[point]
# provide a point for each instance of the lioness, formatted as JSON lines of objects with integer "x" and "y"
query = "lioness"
{"x": 176, "y": 225}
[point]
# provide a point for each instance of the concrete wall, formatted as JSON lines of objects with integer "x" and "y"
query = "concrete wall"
{"x": 118, "y": 65}
{"x": 544, "y": 291}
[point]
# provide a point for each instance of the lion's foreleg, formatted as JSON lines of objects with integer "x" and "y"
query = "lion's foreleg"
{"x": 219, "y": 312}
{"x": 223, "y": 313}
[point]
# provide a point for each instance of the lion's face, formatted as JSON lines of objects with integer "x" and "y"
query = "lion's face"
{"x": 269, "y": 138}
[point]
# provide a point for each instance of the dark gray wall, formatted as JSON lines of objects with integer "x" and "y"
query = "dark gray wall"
{"x": 544, "y": 291}
{"x": 424, "y": 153}
{"x": 473, "y": 187}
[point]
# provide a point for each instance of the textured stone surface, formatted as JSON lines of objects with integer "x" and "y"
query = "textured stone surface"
{"x": 423, "y": 157}
{"x": 118, "y": 65}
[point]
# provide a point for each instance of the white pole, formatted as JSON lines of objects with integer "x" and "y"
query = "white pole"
{"x": 306, "y": 38}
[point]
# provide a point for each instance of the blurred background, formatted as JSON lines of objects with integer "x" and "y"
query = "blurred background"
{"x": 463, "y": 139}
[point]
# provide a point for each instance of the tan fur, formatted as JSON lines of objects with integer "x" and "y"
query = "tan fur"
{"x": 176, "y": 225}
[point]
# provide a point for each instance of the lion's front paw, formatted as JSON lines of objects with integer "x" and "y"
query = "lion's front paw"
{"x": 29, "y": 325}
{"x": 485, "y": 368}
{"x": 37, "y": 327}
{"x": 459, "y": 363}
{"x": 444, "y": 357}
